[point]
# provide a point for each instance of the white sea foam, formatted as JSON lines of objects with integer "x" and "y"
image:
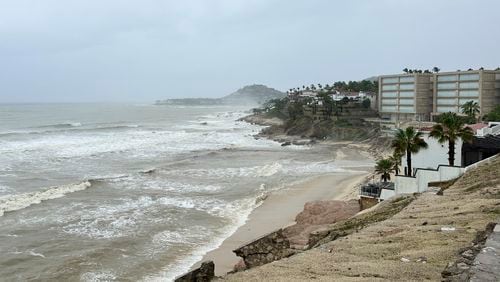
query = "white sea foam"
{"x": 161, "y": 184}
{"x": 98, "y": 276}
{"x": 20, "y": 201}
{"x": 238, "y": 211}
{"x": 108, "y": 221}
{"x": 230, "y": 172}
{"x": 119, "y": 220}
{"x": 36, "y": 254}
{"x": 269, "y": 170}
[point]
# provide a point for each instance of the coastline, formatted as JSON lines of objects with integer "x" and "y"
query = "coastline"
{"x": 279, "y": 210}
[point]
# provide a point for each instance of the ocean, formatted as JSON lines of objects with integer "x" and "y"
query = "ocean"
{"x": 103, "y": 192}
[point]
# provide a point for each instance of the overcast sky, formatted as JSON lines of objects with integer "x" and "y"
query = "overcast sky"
{"x": 143, "y": 50}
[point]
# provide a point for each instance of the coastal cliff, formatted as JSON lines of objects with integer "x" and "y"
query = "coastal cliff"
{"x": 305, "y": 131}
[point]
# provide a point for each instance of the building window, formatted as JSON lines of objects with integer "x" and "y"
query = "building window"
{"x": 447, "y": 85}
{"x": 389, "y": 101}
{"x": 389, "y": 87}
{"x": 442, "y": 93}
{"x": 407, "y": 79}
{"x": 406, "y": 102}
{"x": 469, "y": 85}
{"x": 407, "y": 86}
{"x": 406, "y": 94}
{"x": 447, "y": 101}
{"x": 452, "y": 77}
{"x": 389, "y": 80}
{"x": 469, "y": 93}
{"x": 406, "y": 109}
{"x": 389, "y": 108}
{"x": 469, "y": 76}
{"x": 389, "y": 94}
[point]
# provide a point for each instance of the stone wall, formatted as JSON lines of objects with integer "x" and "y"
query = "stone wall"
{"x": 205, "y": 273}
{"x": 266, "y": 249}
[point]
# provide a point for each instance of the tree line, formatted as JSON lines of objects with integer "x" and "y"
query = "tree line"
{"x": 341, "y": 86}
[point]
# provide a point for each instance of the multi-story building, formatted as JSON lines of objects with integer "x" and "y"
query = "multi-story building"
{"x": 421, "y": 96}
{"x": 453, "y": 89}
{"x": 405, "y": 96}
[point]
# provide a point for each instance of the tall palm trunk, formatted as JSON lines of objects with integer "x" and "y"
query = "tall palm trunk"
{"x": 451, "y": 152}
{"x": 408, "y": 162}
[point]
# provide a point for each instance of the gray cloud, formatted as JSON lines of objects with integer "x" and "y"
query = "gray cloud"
{"x": 116, "y": 50}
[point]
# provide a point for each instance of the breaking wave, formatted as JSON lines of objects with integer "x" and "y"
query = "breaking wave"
{"x": 20, "y": 201}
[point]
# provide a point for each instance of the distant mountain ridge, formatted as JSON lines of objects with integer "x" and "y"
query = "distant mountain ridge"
{"x": 254, "y": 94}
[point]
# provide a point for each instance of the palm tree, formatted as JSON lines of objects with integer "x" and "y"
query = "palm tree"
{"x": 451, "y": 128}
{"x": 405, "y": 70}
{"x": 436, "y": 69}
{"x": 396, "y": 161}
{"x": 471, "y": 109}
{"x": 384, "y": 168}
{"x": 408, "y": 141}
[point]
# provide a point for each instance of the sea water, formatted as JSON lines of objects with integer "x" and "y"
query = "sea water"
{"x": 102, "y": 192}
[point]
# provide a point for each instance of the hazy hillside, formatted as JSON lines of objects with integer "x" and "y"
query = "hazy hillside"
{"x": 372, "y": 78}
{"x": 254, "y": 94}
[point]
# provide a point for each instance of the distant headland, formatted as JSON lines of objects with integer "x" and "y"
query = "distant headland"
{"x": 254, "y": 94}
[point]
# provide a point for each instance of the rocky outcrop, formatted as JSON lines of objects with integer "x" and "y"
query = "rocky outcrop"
{"x": 205, "y": 273}
{"x": 316, "y": 215}
{"x": 262, "y": 120}
{"x": 266, "y": 249}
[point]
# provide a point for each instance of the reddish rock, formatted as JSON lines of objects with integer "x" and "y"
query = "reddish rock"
{"x": 317, "y": 214}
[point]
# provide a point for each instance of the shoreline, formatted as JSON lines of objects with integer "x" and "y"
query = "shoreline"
{"x": 279, "y": 210}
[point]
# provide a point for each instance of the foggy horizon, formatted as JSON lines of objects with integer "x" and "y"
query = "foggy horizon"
{"x": 85, "y": 52}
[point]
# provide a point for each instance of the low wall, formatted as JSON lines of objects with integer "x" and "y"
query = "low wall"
{"x": 387, "y": 193}
{"x": 405, "y": 184}
{"x": 420, "y": 183}
{"x": 266, "y": 249}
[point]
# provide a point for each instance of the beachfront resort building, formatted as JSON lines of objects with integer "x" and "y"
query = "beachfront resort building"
{"x": 422, "y": 96}
{"x": 453, "y": 89}
{"x": 405, "y": 96}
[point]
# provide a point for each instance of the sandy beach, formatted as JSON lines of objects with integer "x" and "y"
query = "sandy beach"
{"x": 280, "y": 209}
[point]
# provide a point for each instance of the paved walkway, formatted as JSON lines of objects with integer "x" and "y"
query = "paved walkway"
{"x": 487, "y": 263}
